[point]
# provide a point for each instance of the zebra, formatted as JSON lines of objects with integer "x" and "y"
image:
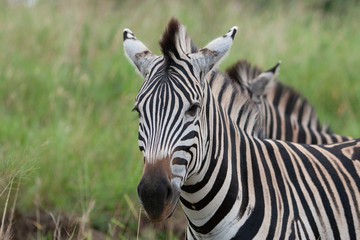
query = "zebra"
{"x": 231, "y": 185}
{"x": 286, "y": 114}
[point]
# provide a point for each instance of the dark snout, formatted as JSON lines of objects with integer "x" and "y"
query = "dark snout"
{"x": 156, "y": 194}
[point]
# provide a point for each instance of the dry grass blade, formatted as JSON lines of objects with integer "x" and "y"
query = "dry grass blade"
{"x": 138, "y": 228}
{"x": 83, "y": 233}
{"x": 8, "y": 229}
{"x": 4, "y": 190}
{"x": 2, "y": 234}
{"x": 57, "y": 230}
{"x": 131, "y": 206}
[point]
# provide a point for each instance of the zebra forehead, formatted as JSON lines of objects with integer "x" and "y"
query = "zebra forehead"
{"x": 168, "y": 86}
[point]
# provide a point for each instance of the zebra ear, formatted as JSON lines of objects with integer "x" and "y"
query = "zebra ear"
{"x": 262, "y": 84}
{"x": 209, "y": 56}
{"x": 137, "y": 52}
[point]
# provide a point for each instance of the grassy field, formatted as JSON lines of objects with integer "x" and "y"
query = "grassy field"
{"x": 68, "y": 138}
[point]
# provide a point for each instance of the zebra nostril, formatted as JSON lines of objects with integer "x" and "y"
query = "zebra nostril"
{"x": 169, "y": 194}
{"x": 138, "y": 190}
{"x": 139, "y": 186}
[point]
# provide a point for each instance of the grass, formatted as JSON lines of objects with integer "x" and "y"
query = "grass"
{"x": 67, "y": 134}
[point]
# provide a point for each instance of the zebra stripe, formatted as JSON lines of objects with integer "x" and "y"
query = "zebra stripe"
{"x": 287, "y": 115}
{"x": 233, "y": 98}
{"x": 231, "y": 184}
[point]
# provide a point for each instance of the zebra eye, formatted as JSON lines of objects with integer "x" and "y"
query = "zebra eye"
{"x": 193, "y": 110}
{"x": 135, "y": 109}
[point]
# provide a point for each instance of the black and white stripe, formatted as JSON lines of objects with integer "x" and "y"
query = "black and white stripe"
{"x": 231, "y": 184}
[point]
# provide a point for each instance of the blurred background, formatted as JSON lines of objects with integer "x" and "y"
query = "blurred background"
{"x": 69, "y": 158}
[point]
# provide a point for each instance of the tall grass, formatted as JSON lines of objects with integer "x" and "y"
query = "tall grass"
{"x": 66, "y": 90}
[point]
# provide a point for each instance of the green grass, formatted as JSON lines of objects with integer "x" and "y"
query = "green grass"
{"x": 67, "y": 132}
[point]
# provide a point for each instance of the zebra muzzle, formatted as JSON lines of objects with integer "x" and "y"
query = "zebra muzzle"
{"x": 156, "y": 193}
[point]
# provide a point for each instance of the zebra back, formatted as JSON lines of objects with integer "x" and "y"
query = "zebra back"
{"x": 287, "y": 114}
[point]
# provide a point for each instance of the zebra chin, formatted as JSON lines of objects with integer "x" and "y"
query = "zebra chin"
{"x": 167, "y": 212}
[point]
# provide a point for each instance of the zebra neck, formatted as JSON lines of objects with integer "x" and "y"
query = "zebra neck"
{"x": 219, "y": 196}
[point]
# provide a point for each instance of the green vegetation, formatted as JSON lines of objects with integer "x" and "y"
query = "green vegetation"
{"x": 68, "y": 138}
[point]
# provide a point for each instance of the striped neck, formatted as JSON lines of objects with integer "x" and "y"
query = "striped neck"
{"x": 216, "y": 189}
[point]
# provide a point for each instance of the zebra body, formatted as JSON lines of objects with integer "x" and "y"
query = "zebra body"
{"x": 231, "y": 184}
{"x": 286, "y": 114}
{"x": 278, "y": 190}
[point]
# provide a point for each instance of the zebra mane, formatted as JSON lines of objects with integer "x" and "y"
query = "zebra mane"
{"x": 175, "y": 41}
{"x": 236, "y": 101}
{"x": 243, "y": 72}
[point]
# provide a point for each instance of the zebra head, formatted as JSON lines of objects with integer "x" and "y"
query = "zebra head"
{"x": 259, "y": 83}
{"x": 171, "y": 111}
